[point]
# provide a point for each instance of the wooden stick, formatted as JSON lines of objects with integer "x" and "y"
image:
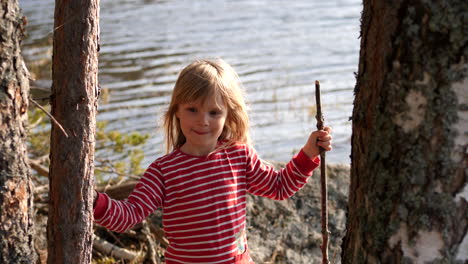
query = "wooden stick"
{"x": 50, "y": 116}
{"x": 323, "y": 179}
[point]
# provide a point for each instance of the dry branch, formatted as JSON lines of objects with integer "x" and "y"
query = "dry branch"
{"x": 159, "y": 235}
{"x": 112, "y": 250}
{"x": 151, "y": 245}
{"x": 36, "y": 165}
{"x": 120, "y": 191}
{"x": 57, "y": 123}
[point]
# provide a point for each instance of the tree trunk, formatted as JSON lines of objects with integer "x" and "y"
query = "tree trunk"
{"x": 408, "y": 193}
{"x": 74, "y": 102}
{"x": 16, "y": 201}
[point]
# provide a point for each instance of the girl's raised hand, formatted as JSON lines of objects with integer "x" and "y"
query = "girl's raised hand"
{"x": 317, "y": 139}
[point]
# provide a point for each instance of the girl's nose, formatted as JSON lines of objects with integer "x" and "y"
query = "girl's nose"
{"x": 203, "y": 119}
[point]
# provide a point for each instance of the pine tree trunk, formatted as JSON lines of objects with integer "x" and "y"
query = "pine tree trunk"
{"x": 408, "y": 193}
{"x": 16, "y": 200}
{"x": 74, "y": 102}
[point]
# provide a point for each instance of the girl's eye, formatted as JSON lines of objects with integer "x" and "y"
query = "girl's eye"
{"x": 213, "y": 113}
{"x": 192, "y": 109}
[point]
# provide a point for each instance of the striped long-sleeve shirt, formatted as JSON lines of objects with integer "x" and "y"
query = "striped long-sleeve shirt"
{"x": 204, "y": 201}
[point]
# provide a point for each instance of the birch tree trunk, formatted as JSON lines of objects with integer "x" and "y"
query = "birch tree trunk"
{"x": 74, "y": 102}
{"x": 408, "y": 193}
{"x": 16, "y": 201}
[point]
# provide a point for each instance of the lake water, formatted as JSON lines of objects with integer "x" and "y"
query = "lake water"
{"x": 279, "y": 49}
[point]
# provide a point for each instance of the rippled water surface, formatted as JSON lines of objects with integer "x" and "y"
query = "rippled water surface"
{"x": 279, "y": 49}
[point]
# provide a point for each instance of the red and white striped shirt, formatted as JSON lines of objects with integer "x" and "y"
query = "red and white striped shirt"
{"x": 204, "y": 200}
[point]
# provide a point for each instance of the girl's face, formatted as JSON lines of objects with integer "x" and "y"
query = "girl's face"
{"x": 202, "y": 123}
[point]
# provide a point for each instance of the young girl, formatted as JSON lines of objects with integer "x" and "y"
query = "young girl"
{"x": 201, "y": 184}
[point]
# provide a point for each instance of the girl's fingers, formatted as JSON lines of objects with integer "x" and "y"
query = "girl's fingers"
{"x": 325, "y": 144}
{"x": 326, "y": 131}
{"x": 322, "y": 138}
{"x": 325, "y": 135}
{"x": 325, "y": 138}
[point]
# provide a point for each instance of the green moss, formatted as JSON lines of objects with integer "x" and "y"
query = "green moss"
{"x": 105, "y": 260}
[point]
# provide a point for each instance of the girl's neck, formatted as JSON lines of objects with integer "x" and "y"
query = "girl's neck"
{"x": 196, "y": 151}
{"x": 199, "y": 152}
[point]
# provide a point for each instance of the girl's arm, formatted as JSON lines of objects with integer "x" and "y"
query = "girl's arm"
{"x": 264, "y": 180}
{"x": 147, "y": 196}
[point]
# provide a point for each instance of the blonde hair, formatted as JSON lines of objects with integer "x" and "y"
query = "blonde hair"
{"x": 199, "y": 80}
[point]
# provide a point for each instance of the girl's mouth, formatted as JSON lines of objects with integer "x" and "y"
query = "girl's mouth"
{"x": 200, "y": 132}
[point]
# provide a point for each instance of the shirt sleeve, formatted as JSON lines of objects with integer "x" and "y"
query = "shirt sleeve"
{"x": 264, "y": 180}
{"x": 120, "y": 215}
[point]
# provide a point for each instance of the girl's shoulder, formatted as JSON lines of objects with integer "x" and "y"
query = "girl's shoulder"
{"x": 229, "y": 147}
{"x": 240, "y": 148}
{"x": 166, "y": 159}
{"x": 234, "y": 145}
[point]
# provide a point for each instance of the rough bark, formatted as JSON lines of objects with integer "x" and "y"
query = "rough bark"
{"x": 408, "y": 193}
{"x": 74, "y": 102}
{"x": 16, "y": 203}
